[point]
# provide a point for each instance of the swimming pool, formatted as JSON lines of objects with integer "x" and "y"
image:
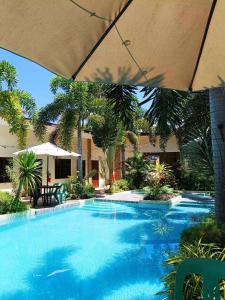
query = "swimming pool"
{"x": 110, "y": 251}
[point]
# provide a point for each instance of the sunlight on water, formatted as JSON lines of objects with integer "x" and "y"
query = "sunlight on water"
{"x": 111, "y": 251}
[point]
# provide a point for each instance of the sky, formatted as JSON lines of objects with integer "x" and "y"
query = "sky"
{"x": 34, "y": 78}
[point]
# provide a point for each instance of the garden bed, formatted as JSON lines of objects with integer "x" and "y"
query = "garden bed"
{"x": 172, "y": 201}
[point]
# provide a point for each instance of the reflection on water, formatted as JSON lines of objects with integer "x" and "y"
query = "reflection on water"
{"x": 97, "y": 251}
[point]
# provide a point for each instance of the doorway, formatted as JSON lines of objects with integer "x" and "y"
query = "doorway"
{"x": 95, "y": 178}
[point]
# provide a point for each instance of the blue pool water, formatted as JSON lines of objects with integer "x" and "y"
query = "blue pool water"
{"x": 110, "y": 251}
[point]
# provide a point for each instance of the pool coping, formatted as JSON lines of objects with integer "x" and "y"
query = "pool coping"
{"x": 171, "y": 201}
{"x": 38, "y": 211}
{"x": 6, "y": 218}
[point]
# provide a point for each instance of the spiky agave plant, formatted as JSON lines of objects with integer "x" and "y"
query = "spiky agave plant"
{"x": 193, "y": 283}
{"x": 28, "y": 169}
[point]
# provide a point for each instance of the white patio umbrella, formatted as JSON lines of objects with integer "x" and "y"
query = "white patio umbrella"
{"x": 47, "y": 149}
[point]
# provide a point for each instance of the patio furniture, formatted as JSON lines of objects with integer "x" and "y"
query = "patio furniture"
{"x": 50, "y": 193}
{"x": 63, "y": 192}
{"x": 212, "y": 272}
{"x": 35, "y": 195}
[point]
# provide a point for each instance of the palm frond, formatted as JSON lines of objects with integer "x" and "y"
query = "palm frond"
{"x": 66, "y": 128}
{"x": 7, "y": 75}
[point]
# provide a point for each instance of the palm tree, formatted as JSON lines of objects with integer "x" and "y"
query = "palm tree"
{"x": 107, "y": 133}
{"x": 15, "y": 104}
{"x": 123, "y": 102}
{"x": 28, "y": 169}
{"x": 165, "y": 112}
{"x": 198, "y": 151}
{"x": 71, "y": 107}
{"x": 124, "y": 107}
{"x": 176, "y": 113}
{"x": 137, "y": 170}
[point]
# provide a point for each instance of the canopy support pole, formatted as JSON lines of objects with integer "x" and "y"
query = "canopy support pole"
{"x": 217, "y": 115}
{"x": 47, "y": 169}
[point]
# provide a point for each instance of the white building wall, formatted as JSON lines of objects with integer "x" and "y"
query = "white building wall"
{"x": 8, "y": 145}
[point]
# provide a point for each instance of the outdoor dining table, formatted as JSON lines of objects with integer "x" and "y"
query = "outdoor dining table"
{"x": 48, "y": 192}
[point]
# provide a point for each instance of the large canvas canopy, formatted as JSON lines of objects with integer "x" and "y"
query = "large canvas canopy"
{"x": 176, "y": 44}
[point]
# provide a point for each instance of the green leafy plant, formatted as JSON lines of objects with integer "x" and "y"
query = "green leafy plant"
{"x": 7, "y": 204}
{"x": 10, "y": 171}
{"x": 208, "y": 231}
{"x": 28, "y": 169}
{"x": 119, "y": 186}
{"x": 193, "y": 283}
{"x": 15, "y": 104}
{"x": 82, "y": 190}
{"x": 89, "y": 191}
{"x": 161, "y": 174}
{"x": 137, "y": 170}
{"x": 122, "y": 184}
{"x": 198, "y": 151}
{"x": 193, "y": 180}
{"x": 158, "y": 192}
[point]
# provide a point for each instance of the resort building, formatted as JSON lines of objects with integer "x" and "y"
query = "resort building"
{"x": 93, "y": 157}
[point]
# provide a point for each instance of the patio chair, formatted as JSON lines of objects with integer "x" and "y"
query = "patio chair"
{"x": 51, "y": 194}
{"x": 35, "y": 195}
{"x": 212, "y": 272}
{"x": 63, "y": 192}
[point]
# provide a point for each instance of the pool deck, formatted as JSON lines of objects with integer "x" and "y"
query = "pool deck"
{"x": 135, "y": 197}
{"x": 126, "y": 196}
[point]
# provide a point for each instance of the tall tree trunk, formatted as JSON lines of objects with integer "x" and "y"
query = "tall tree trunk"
{"x": 123, "y": 159}
{"x": 18, "y": 193}
{"x": 217, "y": 114}
{"x": 110, "y": 157}
{"x": 80, "y": 151}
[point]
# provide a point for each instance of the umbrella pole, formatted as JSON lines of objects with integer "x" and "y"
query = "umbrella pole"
{"x": 47, "y": 168}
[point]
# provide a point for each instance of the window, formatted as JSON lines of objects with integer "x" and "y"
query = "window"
{"x": 4, "y": 161}
{"x": 62, "y": 168}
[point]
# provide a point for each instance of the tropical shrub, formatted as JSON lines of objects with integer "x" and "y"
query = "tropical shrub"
{"x": 193, "y": 178}
{"x": 119, "y": 186}
{"x": 122, "y": 184}
{"x": 198, "y": 151}
{"x": 193, "y": 283}
{"x": 208, "y": 231}
{"x": 10, "y": 171}
{"x": 82, "y": 190}
{"x": 161, "y": 174}
{"x": 7, "y": 204}
{"x": 89, "y": 191}
{"x": 112, "y": 189}
{"x": 195, "y": 182}
{"x": 158, "y": 192}
{"x": 28, "y": 170}
{"x": 137, "y": 171}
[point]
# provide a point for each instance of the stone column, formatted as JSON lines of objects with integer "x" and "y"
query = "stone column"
{"x": 217, "y": 115}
